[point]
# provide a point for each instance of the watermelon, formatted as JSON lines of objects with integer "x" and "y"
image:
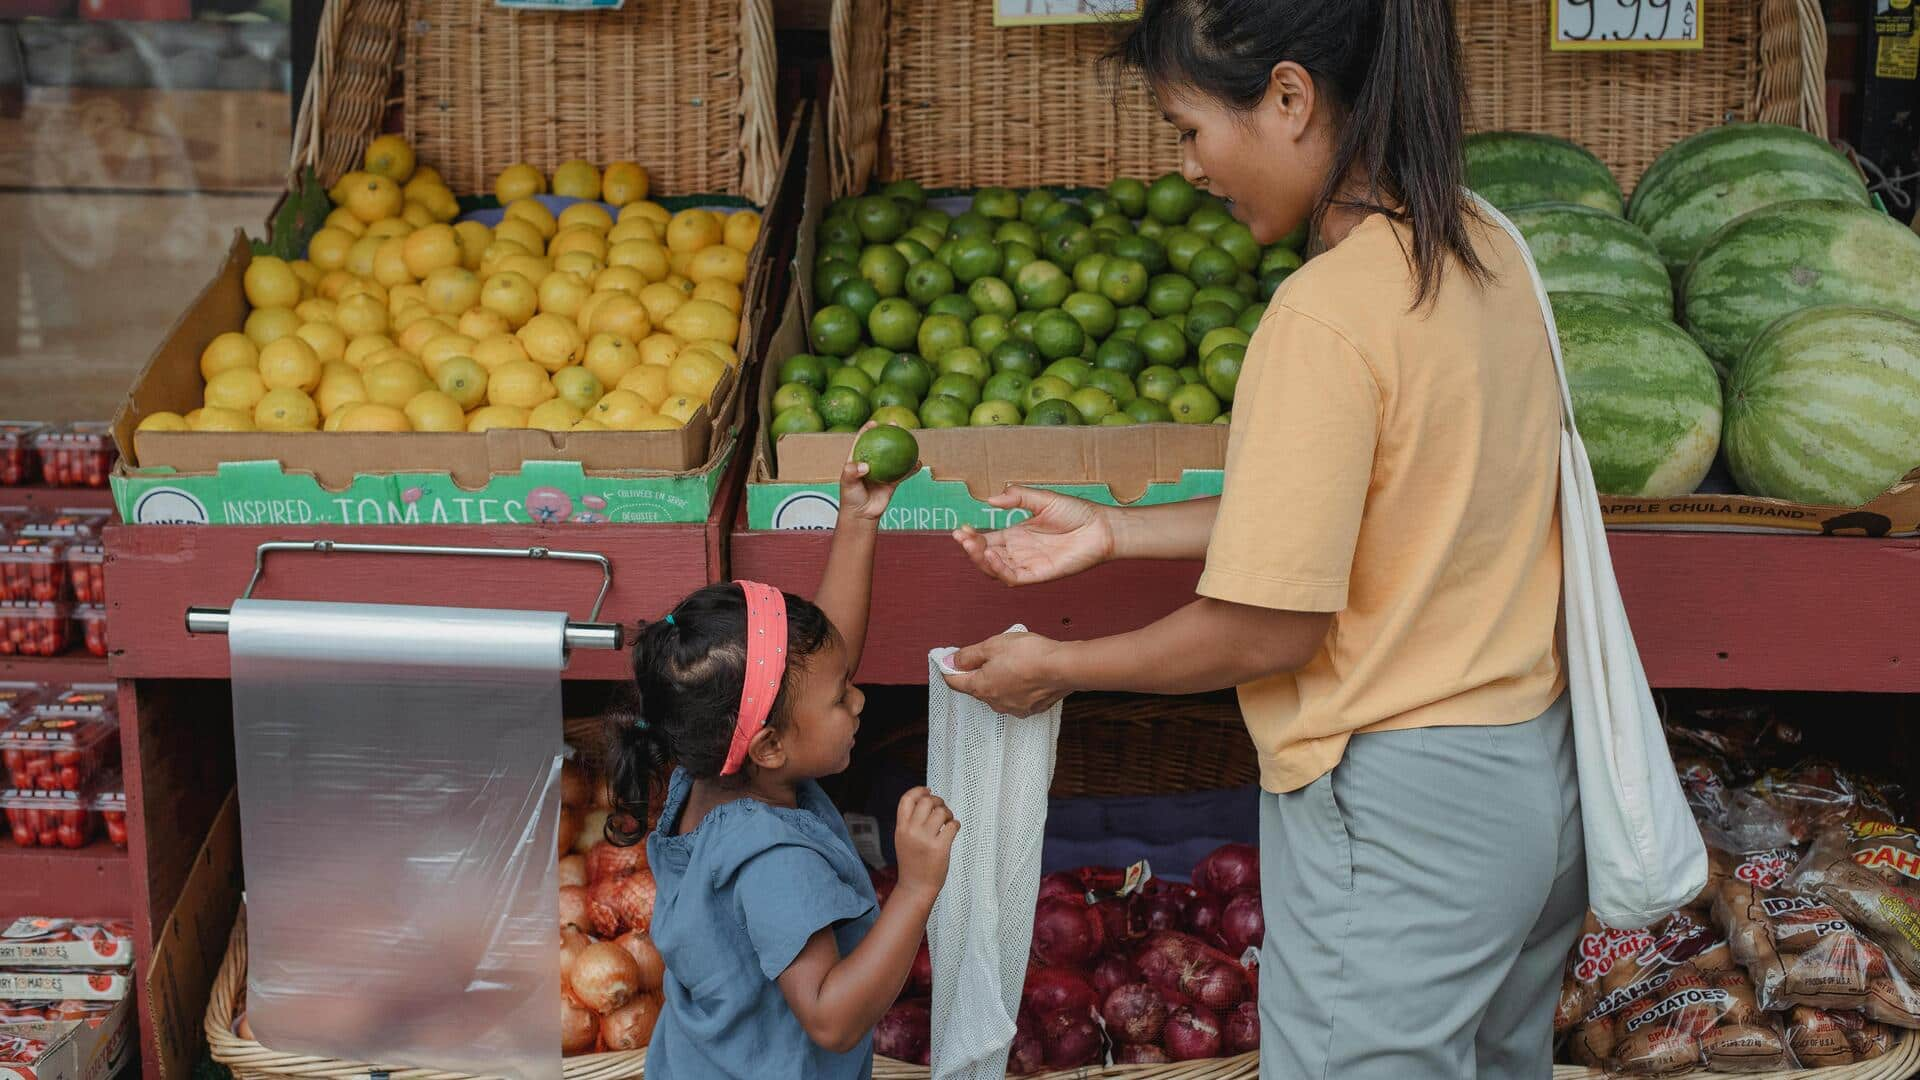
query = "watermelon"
{"x": 1825, "y": 407}
{"x": 1645, "y": 398}
{"x": 1705, "y": 181}
{"x": 1511, "y": 169}
{"x": 1580, "y": 249}
{"x": 1795, "y": 255}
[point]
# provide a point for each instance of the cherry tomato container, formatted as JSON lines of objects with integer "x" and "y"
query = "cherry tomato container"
{"x": 33, "y": 570}
{"x": 84, "y": 699}
{"x": 49, "y": 819}
{"x": 19, "y": 457}
{"x": 87, "y": 572}
{"x": 49, "y": 751}
{"x": 111, "y": 804}
{"x": 33, "y": 628}
{"x": 17, "y": 698}
{"x": 82, "y": 455}
{"x": 82, "y": 523}
{"x": 92, "y": 620}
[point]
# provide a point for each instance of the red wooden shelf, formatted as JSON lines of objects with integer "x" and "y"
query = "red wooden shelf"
{"x": 93, "y": 880}
{"x": 76, "y": 666}
{"x": 57, "y": 498}
{"x": 1710, "y": 610}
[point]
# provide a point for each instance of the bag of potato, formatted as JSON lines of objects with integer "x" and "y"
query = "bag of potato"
{"x": 1887, "y": 848}
{"x": 1858, "y": 872}
{"x": 1822, "y": 1039}
{"x": 1815, "y": 796}
{"x": 1668, "y": 1001}
{"x": 1797, "y": 950}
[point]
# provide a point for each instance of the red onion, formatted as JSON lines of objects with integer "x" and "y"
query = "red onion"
{"x": 1135, "y": 1014}
{"x": 1029, "y": 1053}
{"x": 1157, "y": 911}
{"x": 1203, "y": 917}
{"x": 1192, "y": 1033}
{"x": 1113, "y": 920}
{"x": 1243, "y": 925}
{"x": 920, "y": 976}
{"x": 1054, "y": 989}
{"x": 1141, "y": 1055}
{"x": 1181, "y": 962}
{"x": 1229, "y": 869}
{"x": 1062, "y": 885}
{"x": 1113, "y": 970}
{"x": 1241, "y": 1033}
{"x": 1067, "y": 933}
{"x": 905, "y": 1033}
{"x": 1103, "y": 879}
{"x": 1071, "y": 1039}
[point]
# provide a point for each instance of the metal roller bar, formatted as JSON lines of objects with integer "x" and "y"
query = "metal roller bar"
{"x": 578, "y": 635}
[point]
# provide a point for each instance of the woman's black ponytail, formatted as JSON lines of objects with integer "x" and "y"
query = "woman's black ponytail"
{"x": 1390, "y": 67}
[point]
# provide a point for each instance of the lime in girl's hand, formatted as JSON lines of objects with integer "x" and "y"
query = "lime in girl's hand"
{"x": 889, "y": 452}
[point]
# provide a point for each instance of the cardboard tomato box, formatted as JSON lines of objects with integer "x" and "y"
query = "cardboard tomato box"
{"x": 74, "y": 1040}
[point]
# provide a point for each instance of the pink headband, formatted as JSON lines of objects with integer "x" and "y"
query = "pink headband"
{"x": 766, "y": 665}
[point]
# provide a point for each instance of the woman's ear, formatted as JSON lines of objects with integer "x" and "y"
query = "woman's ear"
{"x": 1291, "y": 98}
{"x": 765, "y": 749}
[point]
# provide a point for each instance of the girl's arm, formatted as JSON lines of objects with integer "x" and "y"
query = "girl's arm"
{"x": 846, "y": 586}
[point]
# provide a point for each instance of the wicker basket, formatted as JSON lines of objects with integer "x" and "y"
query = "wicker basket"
{"x": 684, "y": 87}
{"x": 1244, "y": 1067}
{"x": 1899, "y": 1063}
{"x": 931, "y": 90}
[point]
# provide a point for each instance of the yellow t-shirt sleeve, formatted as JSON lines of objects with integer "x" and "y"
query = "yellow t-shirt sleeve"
{"x": 1306, "y": 420}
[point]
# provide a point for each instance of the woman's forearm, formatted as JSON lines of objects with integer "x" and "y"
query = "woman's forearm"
{"x": 1203, "y": 646}
{"x": 1171, "y": 531}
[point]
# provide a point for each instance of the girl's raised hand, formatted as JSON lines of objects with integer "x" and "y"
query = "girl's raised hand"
{"x": 923, "y": 839}
{"x": 860, "y": 498}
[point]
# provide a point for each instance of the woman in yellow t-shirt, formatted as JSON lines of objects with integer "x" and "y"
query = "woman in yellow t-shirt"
{"x": 1383, "y": 569}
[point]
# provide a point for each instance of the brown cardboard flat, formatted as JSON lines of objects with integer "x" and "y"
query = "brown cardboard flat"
{"x": 95, "y": 1049}
{"x": 1895, "y": 512}
{"x": 190, "y": 947}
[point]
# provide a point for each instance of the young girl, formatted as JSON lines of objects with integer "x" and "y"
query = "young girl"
{"x": 777, "y": 963}
{"x": 1383, "y": 568}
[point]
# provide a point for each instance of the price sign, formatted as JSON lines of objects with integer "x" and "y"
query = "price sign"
{"x": 1625, "y": 25}
{"x": 561, "y": 5}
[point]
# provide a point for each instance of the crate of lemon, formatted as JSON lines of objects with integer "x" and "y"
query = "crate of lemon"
{"x": 578, "y": 345}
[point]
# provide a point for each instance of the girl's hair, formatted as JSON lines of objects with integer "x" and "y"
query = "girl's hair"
{"x": 1390, "y": 69}
{"x": 687, "y": 672}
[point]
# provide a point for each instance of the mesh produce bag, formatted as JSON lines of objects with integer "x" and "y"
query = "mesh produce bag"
{"x": 994, "y": 772}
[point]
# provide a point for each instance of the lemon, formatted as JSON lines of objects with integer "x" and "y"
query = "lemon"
{"x": 489, "y": 417}
{"x": 511, "y": 296}
{"x": 479, "y": 324}
{"x": 620, "y": 279}
{"x": 681, "y": 282}
{"x": 339, "y": 389}
{"x": 499, "y": 349}
{"x": 660, "y": 348}
{"x": 269, "y": 282}
{"x": 391, "y": 157}
{"x": 362, "y": 287}
{"x": 374, "y": 416}
{"x": 589, "y": 214}
{"x": 681, "y": 408}
{"x": 719, "y": 262}
{"x": 360, "y": 256}
{"x": 431, "y": 410}
{"x": 695, "y": 374}
{"x": 623, "y": 182}
{"x": 742, "y": 230}
{"x": 519, "y": 382}
{"x": 609, "y": 356}
{"x": 518, "y": 182}
{"x": 521, "y": 230}
{"x": 588, "y": 423}
{"x": 372, "y": 198}
{"x": 452, "y": 290}
{"x": 393, "y": 228}
{"x": 576, "y": 179}
{"x": 562, "y": 294}
{"x": 360, "y": 348}
{"x": 531, "y": 267}
{"x": 621, "y": 410}
{"x": 218, "y": 418}
{"x": 338, "y": 417}
{"x": 416, "y": 214}
{"x": 228, "y": 352}
{"x": 659, "y": 422}
{"x": 441, "y": 201}
{"x": 316, "y": 309}
{"x": 578, "y": 238}
{"x": 391, "y": 352}
{"x": 308, "y": 274}
{"x": 328, "y": 248}
{"x": 718, "y": 350}
{"x": 443, "y": 347}
{"x": 362, "y": 316}
{"x": 634, "y": 228}
{"x": 578, "y": 387}
{"x": 556, "y": 415}
{"x": 649, "y": 381}
{"x": 328, "y": 342}
{"x": 474, "y": 238}
{"x": 534, "y": 213}
{"x": 424, "y": 179}
{"x": 422, "y": 331}
{"x": 552, "y": 341}
{"x": 694, "y": 230}
{"x": 724, "y": 293}
{"x": 621, "y": 314}
{"x": 661, "y": 301}
{"x": 497, "y": 253}
{"x": 268, "y": 324}
{"x": 332, "y": 282}
{"x": 240, "y": 390}
{"x": 429, "y": 248}
{"x": 286, "y": 409}
{"x": 409, "y": 315}
{"x": 401, "y": 297}
{"x": 645, "y": 256}
{"x": 338, "y": 192}
{"x": 163, "y": 421}
{"x": 342, "y": 219}
{"x": 647, "y": 211}
{"x": 290, "y": 363}
{"x": 394, "y": 382}
{"x": 679, "y": 262}
{"x": 580, "y": 264}
{"x": 584, "y": 318}
{"x": 704, "y": 320}
{"x": 390, "y": 263}
{"x": 462, "y": 379}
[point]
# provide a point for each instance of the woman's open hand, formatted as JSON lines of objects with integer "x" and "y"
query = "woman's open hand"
{"x": 1063, "y": 536}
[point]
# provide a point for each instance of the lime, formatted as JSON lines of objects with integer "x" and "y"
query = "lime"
{"x": 1119, "y": 386}
{"x": 1182, "y": 245}
{"x": 962, "y": 388}
{"x": 846, "y": 253}
{"x": 1193, "y": 404}
{"x": 1220, "y": 338}
{"x": 1092, "y": 403}
{"x": 798, "y": 422}
{"x": 1211, "y": 266}
{"x": 1094, "y": 313}
{"x": 1017, "y": 232}
{"x": 1057, "y": 335}
{"x": 1019, "y": 357}
{"x": 908, "y": 190}
{"x": 1146, "y": 410}
{"x": 974, "y": 258}
{"x": 1158, "y": 382}
{"x": 1045, "y": 388}
{"x": 873, "y": 360}
{"x": 1144, "y": 250}
{"x": 842, "y": 405}
{"x": 794, "y": 395}
{"x": 835, "y": 330}
{"x": 1246, "y": 285}
{"x": 996, "y": 202}
{"x": 912, "y": 250}
{"x": 840, "y": 229}
{"x": 1117, "y": 418}
{"x": 1270, "y": 283}
{"x": 955, "y": 305}
{"x": 1237, "y": 240}
{"x": 889, "y": 452}
{"x": 1190, "y": 374}
{"x": 995, "y": 413}
{"x": 1131, "y": 318}
{"x": 1021, "y": 326}
{"x": 1224, "y": 419}
{"x": 1015, "y": 257}
{"x": 843, "y": 429}
{"x": 930, "y": 239}
{"x": 940, "y": 334}
{"x": 1162, "y": 342}
{"x": 1208, "y": 219}
{"x": 810, "y": 371}
{"x": 900, "y": 416}
{"x": 881, "y": 220}
{"x": 1171, "y": 199}
{"x": 928, "y": 281}
{"x": 908, "y": 372}
{"x": 1249, "y": 320}
{"x": 1098, "y": 203}
{"x": 1073, "y": 371}
{"x": 1066, "y": 245}
{"x": 993, "y": 297}
{"x": 853, "y": 379}
{"x": 1169, "y": 294}
{"x": 1005, "y": 386}
{"x": 893, "y": 395}
{"x": 967, "y": 361}
{"x": 829, "y": 275}
{"x": 1221, "y": 370}
{"x": 1055, "y": 412}
{"x": 1041, "y": 285}
{"x": 894, "y": 324}
{"x": 1062, "y": 212}
{"x": 941, "y": 411}
{"x": 1215, "y": 294}
{"x": 1129, "y": 195}
{"x": 1297, "y": 239}
{"x": 1086, "y": 273}
{"x": 1280, "y": 258}
{"x": 1035, "y": 204}
{"x": 858, "y": 296}
{"x": 885, "y": 269}
{"x": 987, "y": 332}
{"x": 1124, "y": 281}
{"x": 1203, "y": 318}
{"x": 1124, "y": 358}
{"x": 970, "y": 223}
{"x": 1108, "y": 227}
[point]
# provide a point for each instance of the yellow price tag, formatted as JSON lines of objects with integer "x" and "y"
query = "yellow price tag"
{"x": 1626, "y": 25}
